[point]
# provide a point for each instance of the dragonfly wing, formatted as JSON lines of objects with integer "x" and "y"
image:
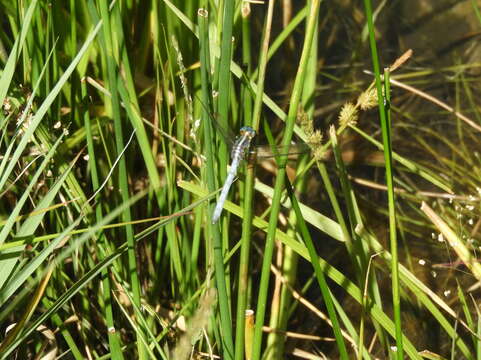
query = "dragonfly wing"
{"x": 227, "y": 134}
{"x": 267, "y": 151}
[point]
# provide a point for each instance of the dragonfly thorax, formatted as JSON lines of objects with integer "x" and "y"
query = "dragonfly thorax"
{"x": 242, "y": 142}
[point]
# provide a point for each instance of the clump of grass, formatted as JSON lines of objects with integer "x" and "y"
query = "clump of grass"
{"x": 103, "y": 192}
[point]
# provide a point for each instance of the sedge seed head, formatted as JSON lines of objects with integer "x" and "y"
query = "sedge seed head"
{"x": 319, "y": 153}
{"x": 305, "y": 122}
{"x": 348, "y": 115}
{"x": 368, "y": 99}
{"x": 315, "y": 137}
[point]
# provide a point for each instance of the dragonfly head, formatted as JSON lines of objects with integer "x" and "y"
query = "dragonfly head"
{"x": 247, "y": 131}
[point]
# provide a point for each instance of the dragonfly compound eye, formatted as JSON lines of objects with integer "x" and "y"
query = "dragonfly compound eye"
{"x": 247, "y": 131}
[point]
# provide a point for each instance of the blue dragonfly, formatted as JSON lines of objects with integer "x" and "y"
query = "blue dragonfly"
{"x": 243, "y": 148}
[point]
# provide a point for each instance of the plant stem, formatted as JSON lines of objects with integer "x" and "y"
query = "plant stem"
{"x": 279, "y": 184}
{"x": 384, "y": 114}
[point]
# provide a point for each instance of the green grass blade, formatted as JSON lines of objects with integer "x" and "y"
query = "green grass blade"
{"x": 326, "y": 293}
{"x": 37, "y": 118}
{"x": 9, "y": 69}
{"x": 16, "y": 211}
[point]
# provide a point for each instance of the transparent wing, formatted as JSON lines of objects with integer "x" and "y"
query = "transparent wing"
{"x": 227, "y": 134}
{"x": 261, "y": 151}
{"x": 267, "y": 151}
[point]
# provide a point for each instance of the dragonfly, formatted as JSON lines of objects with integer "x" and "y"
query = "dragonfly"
{"x": 242, "y": 147}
